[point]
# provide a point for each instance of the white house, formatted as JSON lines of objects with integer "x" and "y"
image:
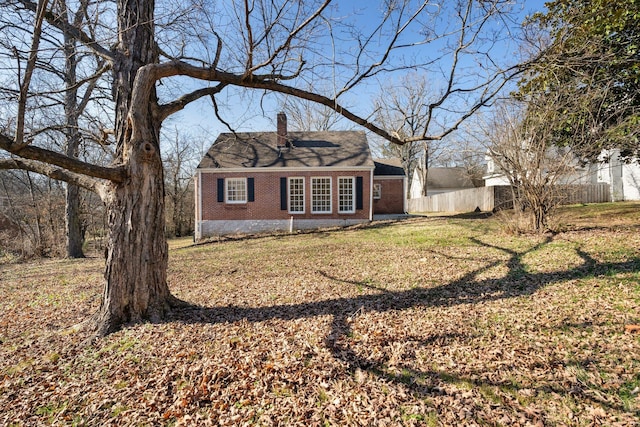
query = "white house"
{"x": 623, "y": 178}
{"x": 495, "y": 175}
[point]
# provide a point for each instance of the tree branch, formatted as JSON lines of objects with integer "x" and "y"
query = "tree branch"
{"x": 287, "y": 43}
{"x": 114, "y": 174}
{"x": 91, "y": 184}
{"x": 150, "y": 73}
{"x": 399, "y": 29}
{"x": 75, "y": 32}
{"x": 93, "y": 81}
{"x": 166, "y": 110}
{"x": 219, "y": 117}
{"x": 28, "y": 72}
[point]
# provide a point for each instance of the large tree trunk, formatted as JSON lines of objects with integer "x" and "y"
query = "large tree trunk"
{"x": 136, "y": 272}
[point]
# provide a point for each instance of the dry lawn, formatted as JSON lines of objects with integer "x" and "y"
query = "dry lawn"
{"x": 428, "y": 321}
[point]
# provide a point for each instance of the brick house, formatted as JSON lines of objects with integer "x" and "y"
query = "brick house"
{"x": 389, "y": 187}
{"x": 278, "y": 181}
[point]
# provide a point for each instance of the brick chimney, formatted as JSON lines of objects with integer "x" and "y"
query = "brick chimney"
{"x": 282, "y": 130}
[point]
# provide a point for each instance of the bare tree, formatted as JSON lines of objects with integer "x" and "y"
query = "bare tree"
{"x": 180, "y": 159}
{"x": 33, "y": 207}
{"x": 425, "y": 107}
{"x": 463, "y": 150}
{"x": 268, "y": 47}
{"x": 57, "y": 114}
{"x": 74, "y": 105}
{"x": 403, "y": 110}
{"x": 308, "y": 116}
{"x": 521, "y": 148}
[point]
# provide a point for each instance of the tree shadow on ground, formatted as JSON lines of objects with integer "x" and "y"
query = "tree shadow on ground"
{"x": 463, "y": 215}
{"x": 468, "y": 289}
{"x": 465, "y": 290}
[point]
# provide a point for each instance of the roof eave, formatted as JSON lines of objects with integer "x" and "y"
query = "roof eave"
{"x": 286, "y": 169}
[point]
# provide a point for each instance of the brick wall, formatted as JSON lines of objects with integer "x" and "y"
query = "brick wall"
{"x": 392, "y": 196}
{"x": 266, "y": 205}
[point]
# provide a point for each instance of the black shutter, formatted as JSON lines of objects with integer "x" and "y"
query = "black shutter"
{"x": 220, "y": 189}
{"x": 359, "y": 204}
{"x": 283, "y": 193}
{"x": 250, "y": 192}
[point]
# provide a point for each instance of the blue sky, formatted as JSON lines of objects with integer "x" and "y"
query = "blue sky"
{"x": 250, "y": 110}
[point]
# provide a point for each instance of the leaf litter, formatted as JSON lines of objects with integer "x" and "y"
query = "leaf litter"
{"x": 390, "y": 325}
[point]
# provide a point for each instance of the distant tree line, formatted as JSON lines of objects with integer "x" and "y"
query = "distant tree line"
{"x": 32, "y": 208}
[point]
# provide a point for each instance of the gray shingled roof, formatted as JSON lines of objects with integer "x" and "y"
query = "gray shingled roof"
{"x": 388, "y": 167}
{"x": 307, "y": 149}
{"x": 454, "y": 177}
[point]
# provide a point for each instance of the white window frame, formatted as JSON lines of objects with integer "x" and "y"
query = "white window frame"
{"x": 341, "y": 195}
{"x": 289, "y": 179}
{"x": 235, "y": 199}
{"x": 377, "y": 191}
{"x": 314, "y": 194}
